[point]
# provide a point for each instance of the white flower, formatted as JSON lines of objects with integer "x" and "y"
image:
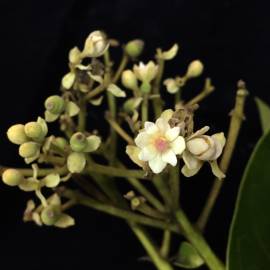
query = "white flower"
{"x": 200, "y": 148}
{"x": 159, "y": 144}
{"x": 146, "y": 73}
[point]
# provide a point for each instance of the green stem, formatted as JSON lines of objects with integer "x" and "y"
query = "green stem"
{"x": 151, "y": 249}
{"x": 145, "y": 108}
{"x": 121, "y": 67}
{"x": 156, "y": 89}
{"x": 166, "y": 243}
{"x": 82, "y": 116}
{"x": 163, "y": 190}
{"x": 237, "y": 117}
{"x": 174, "y": 184}
{"x": 124, "y": 214}
{"x": 197, "y": 240}
{"x": 147, "y": 194}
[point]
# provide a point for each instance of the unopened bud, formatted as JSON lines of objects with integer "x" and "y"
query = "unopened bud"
{"x": 16, "y": 134}
{"x": 78, "y": 142}
{"x": 129, "y": 79}
{"x": 29, "y": 149}
{"x": 12, "y": 177}
{"x": 134, "y": 48}
{"x": 95, "y": 45}
{"x": 195, "y": 69}
{"x": 75, "y": 56}
{"x": 55, "y": 104}
{"x": 76, "y": 162}
{"x": 50, "y": 214}
{"x": 33, "y": 130}
{"x": 61, "y": 143}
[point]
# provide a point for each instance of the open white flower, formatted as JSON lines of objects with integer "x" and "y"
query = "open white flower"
{"x": 146, "y": 72}
{"x": 201, "y": 148}
{"x": 159, "y": 144}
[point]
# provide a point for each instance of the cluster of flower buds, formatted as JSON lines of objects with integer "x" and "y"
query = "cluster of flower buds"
{"x": 30, "y": 137}
{"x": 162, "y": 142}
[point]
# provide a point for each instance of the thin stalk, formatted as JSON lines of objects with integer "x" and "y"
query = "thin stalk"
{"x": 82, "y": 116}
{"x": 237, "y": 117}
{"x": 166, "y": 243}
{"x": 199, "y": 243}
{"x": 124, "y": 214}
{"x": 174, "y": 184}
{"x": 145, "y": 108}
{"x": 151, "y": 249}
{"x": 121, "y": 67}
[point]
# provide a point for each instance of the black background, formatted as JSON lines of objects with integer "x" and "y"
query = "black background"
{"x": 230, "y": 37}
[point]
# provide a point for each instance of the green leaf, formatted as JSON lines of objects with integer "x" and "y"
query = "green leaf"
{"x": 264, "y": 111}
{"x": 188, "y": 257}
{"x": 249, "y": 239}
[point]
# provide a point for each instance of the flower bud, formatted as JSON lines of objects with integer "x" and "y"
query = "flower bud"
{"x": 60, "y": 143}
{"x": 50, "y": 214}
{"x": 74, "y": 56}
{"x": 171, "y": 85}
{"x": 129, "y": 80}
{"x": 76, "y": 162}
{"x": 195, "y": 69}
{"x": 202, "y": 147}
{"x": 29, "y": 149}
{"x": 55, "y": 104}
{"x": 134, "y": 48}
{"x": 95, "y": 45}
{"x": 78, "y": 142}
{"x": 16, "y": 134}
{"x": 33, "y": 130}
{"x": 12, "y": 177}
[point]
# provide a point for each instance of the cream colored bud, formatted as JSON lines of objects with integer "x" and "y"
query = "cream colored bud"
{"x": 95, "y": 45}
{"x": 171, "y": 85}
{"x": 29, "y": 149}
{"x": 61, "y": 143}
{"x": 129, "y": 79}
{"x": 195, "y": 69}
{"x": 12, "y": 177}
{"x": 33, "y": 130}
{"x": 202, "y": 147}
{"x": 78, "y": 142}
{"x": 16, "y": 134}
{"x": 76, "y": 162}
{"x": 134, "y": 48}
{"x": 55, "y": 104}
{"x": 74, "y": 56}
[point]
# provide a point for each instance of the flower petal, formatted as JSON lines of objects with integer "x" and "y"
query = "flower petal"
{"x": 169, "y": 157}
{"x": 149, "y": 152}
{"x": 172, "y": 133}
{"x": 190, "y": 161}
{"x": 216, "y": 170}
{"x": 142, "y": 139}
{"x": 190, "y": 172}
{"x": 133, "y": 152}
{"x": 220, "y": 141}
{"x": 178, "y": 145}
{"x": 150, "y": 127}
{"x": 167, "y": 114}
{"x": 162, "y": 125}
{"x": 199, "y": 132}
{"x": 157, "y": 165}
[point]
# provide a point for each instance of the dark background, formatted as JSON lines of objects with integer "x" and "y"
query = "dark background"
{"x": 230, "y": 37}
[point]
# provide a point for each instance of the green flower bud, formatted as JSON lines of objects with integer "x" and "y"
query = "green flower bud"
{"x": 29, "y": 149}
{"x": 12, "y": 177}
{"x": 195, "y": 69}
{"x": 145, "y": 87}
{"x": 55, "y": 104}
{"x": 129, "y": 80}
{"x": 16, "y": 134}
{"x": 78, "y": 142}
{"x": 61, "y": 143}
{"x": 34, "y": 130}
{"x": 134, "y": 48}
{"x": 76, "y": 162}
{"x": 50, "y": 214}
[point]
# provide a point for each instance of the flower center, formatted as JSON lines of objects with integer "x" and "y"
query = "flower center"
{"x": 161, "y": 144}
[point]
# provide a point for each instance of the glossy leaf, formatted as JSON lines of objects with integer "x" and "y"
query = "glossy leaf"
{"x": 264, "y": 111}
{"x": 249, "y": 240}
